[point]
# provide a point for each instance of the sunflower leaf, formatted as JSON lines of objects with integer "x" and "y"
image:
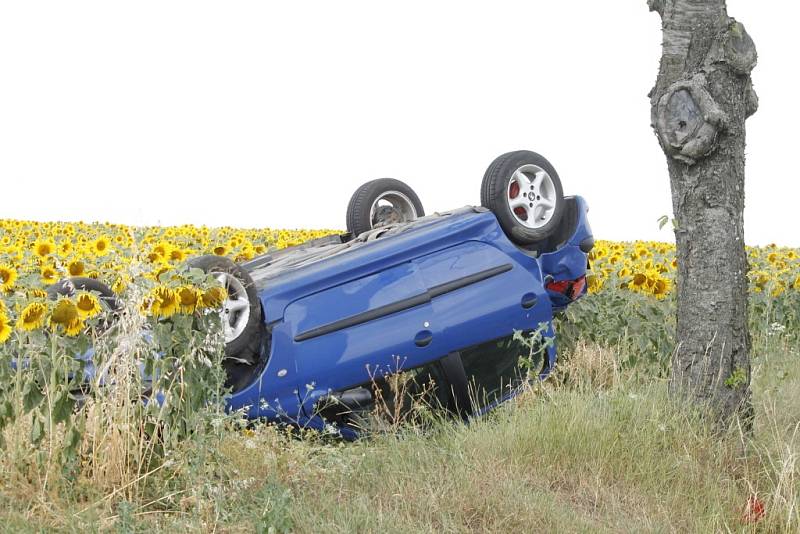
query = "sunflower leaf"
{"x": 37, "y": 429}
{"x": 31, "y": 396}
{"x": 62, "y": 407}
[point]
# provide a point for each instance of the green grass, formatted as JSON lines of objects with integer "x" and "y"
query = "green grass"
{"x": 605, "y": 450}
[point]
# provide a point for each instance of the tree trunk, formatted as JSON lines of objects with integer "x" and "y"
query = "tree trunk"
{"x": 702, "y": 97}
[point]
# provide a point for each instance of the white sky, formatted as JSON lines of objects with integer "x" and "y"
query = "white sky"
{"x": 271, "y": 113}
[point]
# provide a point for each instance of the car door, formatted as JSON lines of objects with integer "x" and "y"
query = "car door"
{"x": 480, "y": 293}
{"x": 353, "y": 332}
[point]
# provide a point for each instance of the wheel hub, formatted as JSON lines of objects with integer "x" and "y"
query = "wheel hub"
{"x": 532, "y": 196}
{"x": 236, "y": 307}
{"x": 392, "y": 207}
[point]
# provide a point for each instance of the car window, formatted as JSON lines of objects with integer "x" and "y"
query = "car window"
{"x": 423, "y": 386}
{"x": 495, "y": 368}
{"x": 395, "y": 399}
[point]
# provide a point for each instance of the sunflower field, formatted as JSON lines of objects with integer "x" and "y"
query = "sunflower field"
{"x": 63, "y": 432}
{"x": 630, "y": 285}
{"x": 34, "y": 256}
{"x": 632, "y": 299}
{"x": 158, "y": 336}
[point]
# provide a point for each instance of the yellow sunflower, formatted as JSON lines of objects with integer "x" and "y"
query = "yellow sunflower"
{"x": 49, "y": 275}
{"x": 246, "y": 254}
{"x": 165, "y": 302}
{"x": 64, "y": 312}
{"x": 661, "y": 288}
{"x": 32, "y": 316}
{"x": 778, "y": 289}
{"x": 154, "y": 257}
{"x": 5, "y": 328}
{"x": 120, "y": 285}
{"x": 761, "y": 279}
{"x": 35, "y": 293}
{"x": 44, "y": 248}
{"x": 8, "y": 275}
{"x": 67, "y": 315}
{"x": 76, "y": 268}
{"x": 162, "y": 249}
{"x": 189, "y": 297}
{"x": 74, "y": 328}
{"x": 214, "y": 297}
{"x": 65, "y": 248}
{"x": 177, "y": 254}
{"x": 595, "y": 283}
{"x": 100, "y": 246}
{"x": 87, "y": 305}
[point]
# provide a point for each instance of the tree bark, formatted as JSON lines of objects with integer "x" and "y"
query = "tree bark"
{"x": 700, "y": 102}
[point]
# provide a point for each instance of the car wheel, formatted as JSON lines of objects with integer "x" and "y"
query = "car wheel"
{"x": 242, "y": 319}
{"x": 68, "y": 286}
{"x": 381, "y": 202}
{"x": 524, "y": 192}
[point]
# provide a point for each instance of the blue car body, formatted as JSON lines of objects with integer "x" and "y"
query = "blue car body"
{"x": 401, "y": 301}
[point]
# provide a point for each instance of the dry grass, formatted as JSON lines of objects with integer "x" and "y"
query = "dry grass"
{"x": 121, "y": 459}
{"x": 600, "y": 450}
{"x": 113, "y": 446}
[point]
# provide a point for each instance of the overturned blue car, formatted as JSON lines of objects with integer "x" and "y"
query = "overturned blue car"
{"x": 314, "y": 332}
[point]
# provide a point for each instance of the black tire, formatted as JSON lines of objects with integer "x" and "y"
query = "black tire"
{"x": 359, "y": 216}
{"x": 495, "y": 196}
{"x": 246, "y": 348}
{"x": 68, "y": 286}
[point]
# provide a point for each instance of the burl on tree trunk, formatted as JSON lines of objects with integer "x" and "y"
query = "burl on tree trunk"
{"x": 700, "y": 102}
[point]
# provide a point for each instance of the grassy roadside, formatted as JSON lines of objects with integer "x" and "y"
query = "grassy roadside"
{"x": 604, "y": 450}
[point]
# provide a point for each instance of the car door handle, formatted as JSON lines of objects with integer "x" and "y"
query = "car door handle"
{"x": 528, "y": 301}
{"x": 423, "y": 338}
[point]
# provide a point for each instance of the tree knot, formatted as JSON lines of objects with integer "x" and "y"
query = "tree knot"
{"x": 734, "y": 47}
{"x": 688, "y": 120}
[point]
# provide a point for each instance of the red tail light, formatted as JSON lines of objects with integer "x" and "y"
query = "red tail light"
{"x": 571, "y": 288}
{"x": 560, "y": 287}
